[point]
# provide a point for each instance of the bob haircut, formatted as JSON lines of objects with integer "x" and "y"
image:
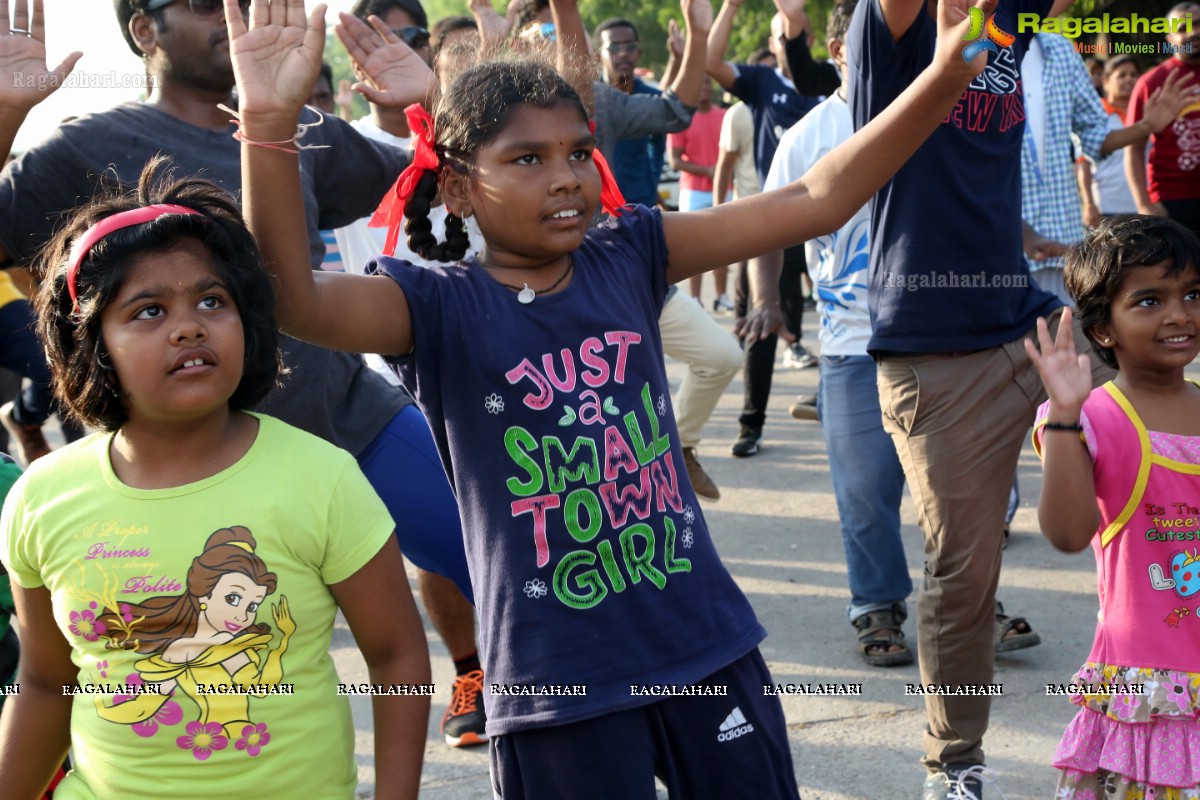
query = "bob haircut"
{"x": 1095, "y": 268}
{"x": 81, "y": 372}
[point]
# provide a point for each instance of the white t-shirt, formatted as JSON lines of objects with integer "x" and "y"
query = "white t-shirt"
{"x": 737, "y": 136}
{"x": 359, "y": 243}
{"x": 837, "y": 262}
{"x": 1110, "y": 188}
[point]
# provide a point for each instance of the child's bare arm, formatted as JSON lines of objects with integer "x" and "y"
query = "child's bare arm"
{"x": 698, "y": 17}
{"x": 718, "y": 40}
{"x": 842, "y": 181}
{"x": 379, "y": 608}
{"x": 274, "y": 61}
{"x": 573, "y": 57}
{"x": 1067, "y": 509}
{"x": 35, "y": 729}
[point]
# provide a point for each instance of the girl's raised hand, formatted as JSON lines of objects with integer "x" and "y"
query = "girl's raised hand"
{"x": 25, "y": 80}
{"x": 396, "y": 76}
{"x": 276, "y": 59}
{"x": 699, "y": 15}
{"x": 1066, "y": 374}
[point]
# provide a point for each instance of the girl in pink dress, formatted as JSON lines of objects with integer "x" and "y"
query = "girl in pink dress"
{"x": 1122, "y": 466}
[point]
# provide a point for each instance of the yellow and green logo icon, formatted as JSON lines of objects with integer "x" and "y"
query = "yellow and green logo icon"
{"x": 983, "y": 35}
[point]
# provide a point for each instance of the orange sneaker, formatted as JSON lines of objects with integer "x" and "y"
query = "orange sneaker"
{"x": 464, "y": 720}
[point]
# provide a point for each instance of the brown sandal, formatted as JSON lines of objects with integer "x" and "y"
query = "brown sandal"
{"x": 1022, "y": 633}
{"x": 880, "y": 630}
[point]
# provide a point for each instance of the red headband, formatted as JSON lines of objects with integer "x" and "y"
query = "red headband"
{"x": 104, "y": 227}
{"x": 391, "y": 210}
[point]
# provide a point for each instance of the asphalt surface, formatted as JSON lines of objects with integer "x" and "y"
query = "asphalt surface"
{"x": 776, "y": 528}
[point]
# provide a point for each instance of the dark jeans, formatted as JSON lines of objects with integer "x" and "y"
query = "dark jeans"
{"x": 760, "y": 355}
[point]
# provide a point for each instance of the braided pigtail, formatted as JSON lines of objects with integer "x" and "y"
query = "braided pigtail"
{"x": 419, "y": 227}
{"x": 416, "y": 218}
{"x": 457, "y": 241}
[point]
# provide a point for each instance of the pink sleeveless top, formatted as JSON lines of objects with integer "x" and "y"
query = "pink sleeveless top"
{"x": 1147, "y": 547}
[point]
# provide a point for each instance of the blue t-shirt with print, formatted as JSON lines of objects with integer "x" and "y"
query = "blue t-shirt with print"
{"x": 637, "y": 163}
{"x": 775, "y": 106}
{"x": 948, "y": 271}
{"x": 589, "y": 556}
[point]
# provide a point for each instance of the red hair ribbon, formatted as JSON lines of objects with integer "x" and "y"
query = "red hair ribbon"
{"x": 125, "y": 219}
{"x": 611, "y": 198}
{"x": 391, "y": 210}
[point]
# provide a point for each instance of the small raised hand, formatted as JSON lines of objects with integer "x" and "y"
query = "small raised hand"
{"x": 699, "y": 15}
{"x": 396, "y": 76}
{"x": 25, "y": 80}
{"x": 493, "y": 28}
{"x": 276, "y": 57}
{"x": 1066, "y": 374}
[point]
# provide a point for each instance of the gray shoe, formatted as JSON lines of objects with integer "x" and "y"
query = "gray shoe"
{"x": 958, "y": 782}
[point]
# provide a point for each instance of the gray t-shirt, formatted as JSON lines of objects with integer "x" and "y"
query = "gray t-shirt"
{"x": 331, "y": 395}
{"x": 628, "y": 116}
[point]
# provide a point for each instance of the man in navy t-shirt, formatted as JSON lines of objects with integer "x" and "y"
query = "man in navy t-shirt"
{"x": 951, "y": 303}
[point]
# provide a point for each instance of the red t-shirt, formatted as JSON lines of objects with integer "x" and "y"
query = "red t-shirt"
{"x": 1173, "y": 172}
{"x": 700, "y": 144}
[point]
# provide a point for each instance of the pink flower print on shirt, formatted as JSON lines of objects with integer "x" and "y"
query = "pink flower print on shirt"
{"x": 254, "y": 738}
{"x": 1126, "y": 705}
{"x": 84, "y": 624}
{"x": 1176, "y": 689}
{"x": 202, "y": 738}
{"x": 169, "y": 714}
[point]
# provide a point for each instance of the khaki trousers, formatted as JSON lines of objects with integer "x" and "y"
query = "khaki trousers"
{"x": 958, "y": 421}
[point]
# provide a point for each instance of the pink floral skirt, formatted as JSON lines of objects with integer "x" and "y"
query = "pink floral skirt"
{"x": 1136, "y": 736}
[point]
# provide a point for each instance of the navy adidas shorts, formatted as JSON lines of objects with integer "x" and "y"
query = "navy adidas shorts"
{"x": 701, "y": 747}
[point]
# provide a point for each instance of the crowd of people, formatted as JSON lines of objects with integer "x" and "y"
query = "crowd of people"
{"x": 312, "y": 346}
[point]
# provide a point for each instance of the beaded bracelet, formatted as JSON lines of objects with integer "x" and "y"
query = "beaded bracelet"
{"x": 1073, "y": 427}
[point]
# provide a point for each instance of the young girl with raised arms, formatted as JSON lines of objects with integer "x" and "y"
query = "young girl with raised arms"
{"x": 176, "y": 575}
{"x": 600, "y": 594}
{"x": 1122, "y": 465}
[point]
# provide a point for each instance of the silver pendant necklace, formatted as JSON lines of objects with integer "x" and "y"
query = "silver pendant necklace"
{"x": 525, "y": 295}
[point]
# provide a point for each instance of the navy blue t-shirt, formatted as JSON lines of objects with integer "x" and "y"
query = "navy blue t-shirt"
{"x": 591, "y": 561}
{"x": 775, "y": 106}
{"x": 637, "y": 163}
{"x": 947, "y": 267}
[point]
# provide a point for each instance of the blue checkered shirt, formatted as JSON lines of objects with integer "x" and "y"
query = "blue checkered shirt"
{"x": 1049, "y": 194}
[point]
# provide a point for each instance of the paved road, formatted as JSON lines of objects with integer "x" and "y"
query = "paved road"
{"x": 776, "y": 528}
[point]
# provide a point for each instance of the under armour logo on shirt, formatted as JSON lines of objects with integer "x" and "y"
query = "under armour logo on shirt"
{"x": 779, "y": 98}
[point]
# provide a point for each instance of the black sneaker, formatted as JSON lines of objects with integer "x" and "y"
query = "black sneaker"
{"x": 463, "y": 722}
{"x": 958, "y": 782}
{"x": 747, "y": 442}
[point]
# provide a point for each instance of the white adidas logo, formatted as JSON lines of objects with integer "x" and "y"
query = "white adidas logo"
{"x": 735, "y": 725}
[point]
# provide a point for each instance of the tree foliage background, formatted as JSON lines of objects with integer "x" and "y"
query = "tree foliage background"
{"x": 751, "y": 28}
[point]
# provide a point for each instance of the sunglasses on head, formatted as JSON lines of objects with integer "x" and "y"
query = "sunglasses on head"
{"x": 414, "y": 36}
{"x": 535, "y": 31}
{"x": 201, "y": 8}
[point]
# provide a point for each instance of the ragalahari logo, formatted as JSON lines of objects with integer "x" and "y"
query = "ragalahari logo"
{"x": 984, "y": 36}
